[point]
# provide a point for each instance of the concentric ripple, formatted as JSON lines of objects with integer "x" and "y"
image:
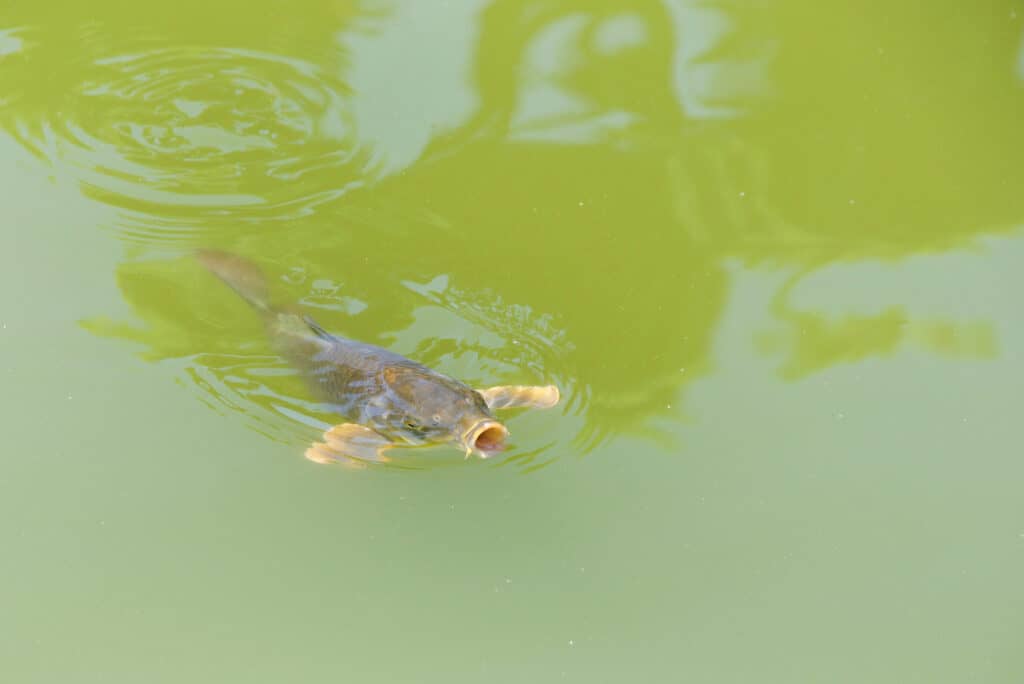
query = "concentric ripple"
{"x": 195, "y": 133}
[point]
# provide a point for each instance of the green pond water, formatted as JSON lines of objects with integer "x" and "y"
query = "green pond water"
{"x": 769, "y": 251}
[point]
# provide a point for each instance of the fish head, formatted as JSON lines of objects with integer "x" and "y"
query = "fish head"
{"x": 436, "y": 410}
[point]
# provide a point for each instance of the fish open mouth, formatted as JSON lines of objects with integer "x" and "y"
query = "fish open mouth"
{"x": 487, "y": 438}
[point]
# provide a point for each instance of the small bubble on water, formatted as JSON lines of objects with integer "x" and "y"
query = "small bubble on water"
{"x": 581, "y": 204}
{"x": 743, "y": 193}
{"x": 571, "y": 642}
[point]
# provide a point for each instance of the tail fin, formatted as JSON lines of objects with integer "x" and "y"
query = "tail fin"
{"x": 241, "y": 275}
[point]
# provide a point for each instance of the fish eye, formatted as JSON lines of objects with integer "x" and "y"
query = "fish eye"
{"x": 435, "y": 419}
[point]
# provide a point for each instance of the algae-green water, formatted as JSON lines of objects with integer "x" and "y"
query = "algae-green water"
{"x": 770, "y": 252}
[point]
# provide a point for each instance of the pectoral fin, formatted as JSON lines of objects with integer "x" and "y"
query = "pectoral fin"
{"x": 520, "y": 396}
{"x": 349, "y": 444}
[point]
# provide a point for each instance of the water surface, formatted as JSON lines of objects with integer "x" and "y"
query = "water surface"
{"x": 771, "y": 255}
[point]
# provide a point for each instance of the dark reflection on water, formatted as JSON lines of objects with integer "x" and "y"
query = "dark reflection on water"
{"x": 810, "y": 341}
{"x": 574, "y": 229}
{"x": 638, "y": 317}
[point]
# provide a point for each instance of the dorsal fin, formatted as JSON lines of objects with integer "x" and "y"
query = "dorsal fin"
{"x": 240, "y": 274}
{"x": 315, "y": 327}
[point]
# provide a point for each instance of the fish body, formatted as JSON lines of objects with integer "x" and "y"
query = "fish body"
{"x": 390, "y": 400}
